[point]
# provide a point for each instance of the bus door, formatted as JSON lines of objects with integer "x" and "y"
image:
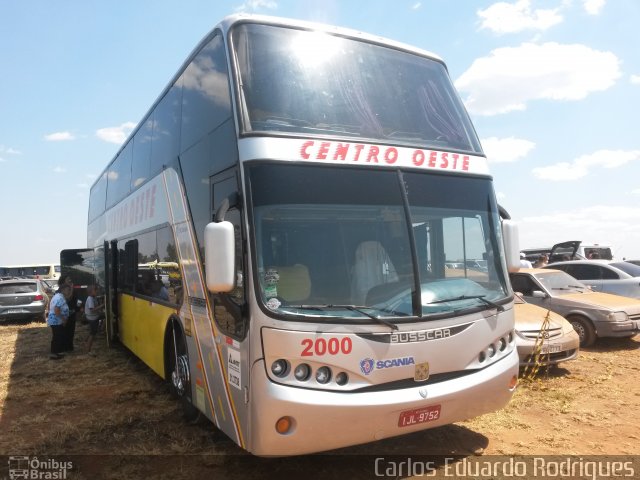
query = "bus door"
{"x": 230, "y": 309}
{"x": 80, "y": 265}
{"x": 110, "y": 258}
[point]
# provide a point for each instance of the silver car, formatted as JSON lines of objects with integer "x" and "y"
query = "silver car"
{"x": 619, "y": 278}
{"x": 23, "y": 299}
{"x": 592, "y": 314}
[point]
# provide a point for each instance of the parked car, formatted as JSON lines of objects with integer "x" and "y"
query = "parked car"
{"x": 619, "y": 278}
{"x": 592, "y": 314}
{"x": 23, "y": 299}
{"x": 559, "y": 341}
{"x": 50, "y": 287}
{"x": 570, "y": 250}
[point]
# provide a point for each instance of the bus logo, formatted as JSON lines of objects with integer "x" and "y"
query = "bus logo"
{"x": 366, "y": 366}
{"x": 422, "y": 372}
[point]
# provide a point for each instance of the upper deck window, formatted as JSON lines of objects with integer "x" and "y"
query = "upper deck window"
{"x": 302, "y": 82}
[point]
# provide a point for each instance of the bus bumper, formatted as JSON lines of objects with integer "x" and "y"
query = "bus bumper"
{"x": 327, "y": 420}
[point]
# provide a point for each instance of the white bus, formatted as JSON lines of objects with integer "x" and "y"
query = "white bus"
{"x": 36, "y": 270}
{"x": 302, "y": 187}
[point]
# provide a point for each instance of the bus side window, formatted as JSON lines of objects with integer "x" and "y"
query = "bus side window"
{"x": 169, "y": 268}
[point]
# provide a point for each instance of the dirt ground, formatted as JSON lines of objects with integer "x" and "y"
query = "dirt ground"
{"x": 114, "y": 418}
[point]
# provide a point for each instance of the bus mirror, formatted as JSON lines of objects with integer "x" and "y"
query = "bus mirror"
{"x": 232, "y": 201}
{"x": 222, "y": 211}
{"x": 511, "y": 245}
{"x": 219, "y": 255}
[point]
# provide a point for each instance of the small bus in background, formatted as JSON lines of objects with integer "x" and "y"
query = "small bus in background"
{"x": 43, "y": 271}
{"x": 297, "y": 190}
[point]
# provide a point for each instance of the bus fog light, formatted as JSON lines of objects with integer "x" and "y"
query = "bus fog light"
{"x": 323, "y": 375}
{"x": 284, "y": 425}
{"x": 342, "y": 378}
{"x": 302, "y": 372}
{"x": 280, "y": 367}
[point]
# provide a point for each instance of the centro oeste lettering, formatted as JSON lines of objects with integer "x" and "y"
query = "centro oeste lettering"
{"x": 358, "y": 152}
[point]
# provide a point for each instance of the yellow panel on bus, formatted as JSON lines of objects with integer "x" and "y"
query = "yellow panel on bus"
{"x": 142, "y": 327}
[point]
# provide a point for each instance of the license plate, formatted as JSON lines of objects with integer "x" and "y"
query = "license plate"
{"x": 15, "y": 310}
{"x": 419, "y": 415}
{"x": 550, "y": 349}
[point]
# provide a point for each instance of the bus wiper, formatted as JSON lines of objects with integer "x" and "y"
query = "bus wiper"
{"x": 352, "y": 308}
{"x": 482, "y": 298}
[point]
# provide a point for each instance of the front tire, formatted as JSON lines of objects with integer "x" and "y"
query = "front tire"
{"x": 585, "y": 330}
{"x": 177, "y": 370}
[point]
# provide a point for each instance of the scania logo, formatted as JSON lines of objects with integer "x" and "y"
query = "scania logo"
{"x": 366, "y": 365}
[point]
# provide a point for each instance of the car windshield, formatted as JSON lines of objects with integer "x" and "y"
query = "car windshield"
{"x": 628, "y": 268}
{"x": 352, "y": 242}
{"x": 558, "y": 282}
{"x": 306, "y": 83}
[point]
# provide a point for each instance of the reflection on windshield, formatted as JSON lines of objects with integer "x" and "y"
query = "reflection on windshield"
{"x": 308, "y": 83}
{"x": 560, "y": 282}
{"x": 339, "y": 243}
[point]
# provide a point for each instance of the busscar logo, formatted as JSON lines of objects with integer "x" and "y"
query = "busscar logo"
{"x": 416, "y": 336}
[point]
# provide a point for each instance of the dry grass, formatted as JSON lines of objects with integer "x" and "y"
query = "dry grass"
{"x": 113, "y": 404}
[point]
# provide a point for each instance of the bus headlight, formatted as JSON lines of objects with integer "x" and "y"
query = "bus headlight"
{"x": 280, "y": 367}
{"x": 302, "y": 372}
{"x": 323, "y": 375}
{"x": 342, "y": 378}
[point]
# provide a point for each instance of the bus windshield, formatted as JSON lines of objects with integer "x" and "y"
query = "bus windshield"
{"x": 307, "y": 83}
{"x": 358, "y": 243}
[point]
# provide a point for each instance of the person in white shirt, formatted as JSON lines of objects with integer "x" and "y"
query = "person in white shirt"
{"x": 93, "y": 314}
{"x": 524, "y": 263}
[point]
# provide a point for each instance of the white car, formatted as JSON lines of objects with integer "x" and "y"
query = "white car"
{"x": 619, "y": 278}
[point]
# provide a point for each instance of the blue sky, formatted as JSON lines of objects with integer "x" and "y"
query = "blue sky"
{"x": 552, "y": 86}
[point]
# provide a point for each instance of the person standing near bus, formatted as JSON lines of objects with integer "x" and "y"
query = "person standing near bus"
{"x": 74, "y": 306}
{"x": 57, "y": 318}
{"x": 93, "y": 314}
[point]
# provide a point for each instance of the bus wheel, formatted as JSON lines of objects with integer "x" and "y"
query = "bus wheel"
{"x": 584, "y": 329}
{"x": 178, "y": 373}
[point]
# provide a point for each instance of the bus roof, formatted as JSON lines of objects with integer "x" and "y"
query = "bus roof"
{"x": 229, "y": 21}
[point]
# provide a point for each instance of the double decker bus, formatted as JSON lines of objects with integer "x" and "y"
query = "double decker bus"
{"x": 302, "y": 188}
